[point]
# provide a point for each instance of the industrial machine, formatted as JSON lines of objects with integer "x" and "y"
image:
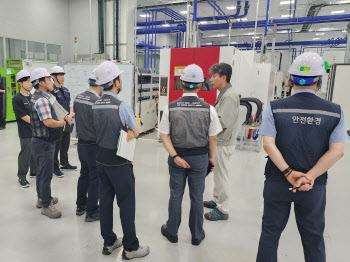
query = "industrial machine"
{"x": 250, "y": 79}
{"x": 13, "y": 66}
{"x": 337, "y": 89}
{"x": 146, "y": 100}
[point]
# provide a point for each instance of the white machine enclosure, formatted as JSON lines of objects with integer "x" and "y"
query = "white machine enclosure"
{"x": 338, "y": 90}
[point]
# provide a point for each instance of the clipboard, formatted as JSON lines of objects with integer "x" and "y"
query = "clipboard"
{"x": 61, "y": 113}
{"x": 126, "y": 149}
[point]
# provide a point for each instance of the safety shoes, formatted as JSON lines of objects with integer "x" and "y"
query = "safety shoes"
{"x": 92, "y": 218}
{"x": 198, "y": 241}
{"x": 51, "y": 211}
{"x": 58, "y": 173}
{"x": 107, "y": 250}
{"x": 209, "y": 204}
{"x": 165, "y": 232}
{"x": 215, "y": 215}
{"x": 80, "y": 211}
{"x": 69, "y": 167}
{"x": 39, "y": 203}
{"x": 141, "y": 252}
{"x": 23, "y": 182}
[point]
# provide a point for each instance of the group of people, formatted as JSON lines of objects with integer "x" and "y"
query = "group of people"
{"x": 303, "y": 136}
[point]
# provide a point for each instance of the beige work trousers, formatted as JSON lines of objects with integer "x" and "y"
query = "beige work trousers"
{"x": 222, "y": 189}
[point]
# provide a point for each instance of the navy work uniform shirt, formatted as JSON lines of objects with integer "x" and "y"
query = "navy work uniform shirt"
{"x": 22, "y": 107}
{"x": 304, "y": 125}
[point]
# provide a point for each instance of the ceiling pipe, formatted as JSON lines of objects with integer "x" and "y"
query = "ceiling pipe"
{"x": 261, "y": 23}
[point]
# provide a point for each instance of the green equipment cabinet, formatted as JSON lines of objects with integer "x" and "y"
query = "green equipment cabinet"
{"x": 13, "y": 66}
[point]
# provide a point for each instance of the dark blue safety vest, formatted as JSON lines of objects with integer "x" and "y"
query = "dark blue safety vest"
{"x": 304, "y": 123}
{"x": 108, "y": 124}
{"x": 62, "y": 97}
{"x": 39, "y": 130}
{"x": 189, "y": 119}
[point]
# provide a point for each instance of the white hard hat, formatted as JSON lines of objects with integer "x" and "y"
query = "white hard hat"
{"x": 92, "y": 78}
{"x": 38, "y": 73}
{"x": 57, "y": 70}
{"x": 308, "y": 64}
{"x": 22, "y": 74}
{"x": 107, "y": 72}
{"x": 93, "y": 75}
{"x": 192, "y": 74}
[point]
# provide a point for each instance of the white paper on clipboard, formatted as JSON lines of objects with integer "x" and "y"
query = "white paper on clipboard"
{"x": 61, "y": 113}
{"x": 126, "y": 149}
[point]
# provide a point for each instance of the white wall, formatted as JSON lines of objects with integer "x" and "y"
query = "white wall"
{"x": 79, "y": 26}
{"x": 45, "y": 21}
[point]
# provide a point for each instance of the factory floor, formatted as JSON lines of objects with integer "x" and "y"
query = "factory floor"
{"x": 26, "y": 235}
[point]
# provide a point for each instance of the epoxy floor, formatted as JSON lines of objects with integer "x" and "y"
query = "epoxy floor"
{"x": 26, "y": 235}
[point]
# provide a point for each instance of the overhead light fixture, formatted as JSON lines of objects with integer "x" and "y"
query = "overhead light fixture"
{"x": 220, "y": 35}
{"x": 203, "y": 23}
{"x": 325, "y": 29}
{"x": 241, "y": 19}
{"x": 319, "y": 33}
{"x": 233, "y": 43}
{"x": 285, "y": 16}
{"x": 250, "y": 33}
{"x": 209, "y": 43}
{"x": 337, "y": 12}
{"x": 286, "y": 2}
{"x": 146, "y": 15}
{"x": 183, "y": 12}
{"x": 166, "y": 25}
{"x": 316, "y": 38}
{"x": 344, "y": 31}
{"x": 256, "y": 37}
{"x": 343, "y": 2}
{"x": 283, "y": 32}
{"x": 231, "y": 7}
{"x": 244, "y": 19}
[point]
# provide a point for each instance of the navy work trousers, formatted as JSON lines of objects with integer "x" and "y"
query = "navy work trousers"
{"x": 43, "y": 152}
{"x": 87, "y": 189}
{"x": 119, "y": 182}
{"x": 309, "y": 208}
{"x": 196, "y": 183}
{"x": 25, "y": 158}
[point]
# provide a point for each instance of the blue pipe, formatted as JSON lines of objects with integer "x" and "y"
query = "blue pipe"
{"x": 152, "y": 41}
{"x": 142, "y": 44}
{"x": 217, "y": 8}
{"x": 144, "y": 60}
{"x": 195, "y": 11}
{"x": 155, "y": 43}
{"x": 267, "y": 17}
{"x": 148, "y": 38}
{"x": 295, "y": 7}
{"x": 261, "y": 23}
{"x": 246, "y": 8}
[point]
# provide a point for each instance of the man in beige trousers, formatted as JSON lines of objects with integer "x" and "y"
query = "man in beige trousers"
{"x": 227, "y": 107}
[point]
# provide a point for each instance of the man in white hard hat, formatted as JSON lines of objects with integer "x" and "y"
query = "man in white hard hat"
{"x": 22, "y": 107}
{"x": 188, "y": 130}
{"x": 62, "y": 95}
{"x": 115, "y": 173}
{"x": 227, "y": 106}
{"x": 45, "y": 131}
{"x": 304, "y": 136}
{"x": 87, "y": 190}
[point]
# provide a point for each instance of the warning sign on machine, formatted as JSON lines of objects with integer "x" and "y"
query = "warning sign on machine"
{"x": 178, "y": 70}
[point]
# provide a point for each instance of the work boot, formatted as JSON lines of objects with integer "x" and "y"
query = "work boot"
{"x": 107, "y": 250}
{"x": 39, "y": 203}
{"x": 215, "y": 215}
{"x": 51, "y": 211}
{"x": 80, "y": 210}
{"x": 69, "y": 167}
{"x": 165, "y": 232}
{"x": 23, "y": 182}
{"x": 141, "y": 252}
{"x": 209, "y": 204}
{"x": 92, "y": 218}
{"x": 58, "y": 173}
{"x": 197, "y": 241}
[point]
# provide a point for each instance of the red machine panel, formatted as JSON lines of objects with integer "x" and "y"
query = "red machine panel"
{"x": 204, "y": 57}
